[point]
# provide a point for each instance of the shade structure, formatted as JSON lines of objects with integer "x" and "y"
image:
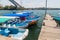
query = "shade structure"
{"x": 23, "y": 14}
{"x": 4, "y": 19}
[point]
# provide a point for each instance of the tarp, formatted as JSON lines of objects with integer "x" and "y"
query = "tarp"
{"x": 20, "y": 15}
{"x": 23, "y": 14}
{"x": 4, "y": 19}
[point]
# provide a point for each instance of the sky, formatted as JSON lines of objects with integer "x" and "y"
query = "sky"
{"x": 34, "y": 3}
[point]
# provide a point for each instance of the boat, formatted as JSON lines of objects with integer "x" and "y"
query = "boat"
{"x": 31, "y": 18}
{"x": 26, "y": 16}
{"x": 10, "y": 31}
{"x": 12, "y": 22}
{"x": 4, "y": 19}
{"x": 56, "y": 18}
{"x": 15, "y": 23}
{"x": 17, "y": 34}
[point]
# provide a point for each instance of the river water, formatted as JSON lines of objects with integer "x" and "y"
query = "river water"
{"x": 34, "y": 30}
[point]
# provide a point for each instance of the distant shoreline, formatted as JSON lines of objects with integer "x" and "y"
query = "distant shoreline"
{"x": 34, "y": 9}
{"x": 43, "y": 8}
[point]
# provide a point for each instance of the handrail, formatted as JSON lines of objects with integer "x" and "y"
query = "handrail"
{"x": 15, "y": 3}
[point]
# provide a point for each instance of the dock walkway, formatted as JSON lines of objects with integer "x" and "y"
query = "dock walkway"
{"x": 49, "y": 32}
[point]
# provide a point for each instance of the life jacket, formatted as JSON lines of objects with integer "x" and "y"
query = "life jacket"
{"x": 23, "y": 18}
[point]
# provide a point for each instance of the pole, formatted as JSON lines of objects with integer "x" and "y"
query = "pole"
{"x": 46, "y": 8}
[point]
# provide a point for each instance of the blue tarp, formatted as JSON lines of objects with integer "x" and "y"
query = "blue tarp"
{"x": 20, "y": 15}
{"x": 23, "y": 14}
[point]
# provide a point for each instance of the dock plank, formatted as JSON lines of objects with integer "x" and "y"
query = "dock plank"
{"x": 6, "y": 38}
{"x": 49, "y": 33}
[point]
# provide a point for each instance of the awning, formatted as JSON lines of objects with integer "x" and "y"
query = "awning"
{"x": 23, "y": 14}
{"x": 2, "y": 20}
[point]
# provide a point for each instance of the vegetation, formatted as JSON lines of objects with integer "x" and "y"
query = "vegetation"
{"x": 11, "y": 7}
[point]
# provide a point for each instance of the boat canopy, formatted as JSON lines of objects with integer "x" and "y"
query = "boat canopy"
{"x": 2, "y": 20}
{"x": 19, "y": 15}
{"x": 23, "y": 14}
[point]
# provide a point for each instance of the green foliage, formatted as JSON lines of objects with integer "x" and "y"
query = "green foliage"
{"x": 6, "y": 7}
{"x": 11, "y": 7}
{"x": 22, "y": 8}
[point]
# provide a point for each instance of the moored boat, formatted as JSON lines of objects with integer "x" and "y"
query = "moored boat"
{"x": 18, "y": 34}
{"x": 56, "y": 18}
{"x": 33, "y": 19}
{"x": 12, "y": 22}
{"x": 26, "y": 16}
{"x": 16, "y": 23}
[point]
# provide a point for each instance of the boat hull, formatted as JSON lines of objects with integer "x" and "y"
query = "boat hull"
{"x": 33, "y": 22}
{"x": 17, "y": 34}
{"x": 25, "y": 34}
{"x": 57, "y": 19}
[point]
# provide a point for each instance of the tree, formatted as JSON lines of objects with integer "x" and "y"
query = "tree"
{"x": 22, "y": 8}
{"x": 11, "y": 7}
{"x": 6, "y": 7}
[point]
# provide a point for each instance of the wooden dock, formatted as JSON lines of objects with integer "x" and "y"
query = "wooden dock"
{"x": 5, "y": 38}
{"x": 49, "y": 33}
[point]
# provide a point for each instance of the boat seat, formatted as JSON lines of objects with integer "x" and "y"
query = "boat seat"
{"x": 4, "y": 32}
{"x": 13, "y": 31}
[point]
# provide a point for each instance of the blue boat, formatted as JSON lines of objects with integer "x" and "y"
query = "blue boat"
{"x": 32, "y": 18}
{"x": 22, "y": 25}
{"x": 13, "y": 22}
{"x": 18, "y": 34}
{"x": 56, "y": 18}
{"x": 25, "y": 16}
{"x": 17, "y": 23}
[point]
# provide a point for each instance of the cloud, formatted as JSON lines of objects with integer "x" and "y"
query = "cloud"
{"x": 33, "y": 3}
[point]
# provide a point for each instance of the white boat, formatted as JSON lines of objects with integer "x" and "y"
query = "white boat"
{"x": 17, "y": 34}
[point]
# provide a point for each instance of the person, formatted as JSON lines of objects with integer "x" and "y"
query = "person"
{"x": 22, "y": 18}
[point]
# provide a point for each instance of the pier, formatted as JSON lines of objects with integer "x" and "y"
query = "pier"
{"x": 49, "y": 30}
{"x": 6, "y": 38}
